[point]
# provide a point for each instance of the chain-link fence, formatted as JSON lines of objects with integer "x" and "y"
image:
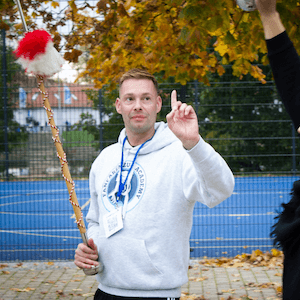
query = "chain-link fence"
{"x": 247, "y": 124}
{"x": 243, "y": 120}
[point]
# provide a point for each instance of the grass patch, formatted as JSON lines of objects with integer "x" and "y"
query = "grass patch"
{"x": 78, "y": 138}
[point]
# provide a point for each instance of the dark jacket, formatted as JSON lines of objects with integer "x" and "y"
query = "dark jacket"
{"x": 285, "y": 64}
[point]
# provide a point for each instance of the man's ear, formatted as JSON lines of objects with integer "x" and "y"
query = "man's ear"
{"x": 118, "y": 105}
{"x": 159, "y": 104}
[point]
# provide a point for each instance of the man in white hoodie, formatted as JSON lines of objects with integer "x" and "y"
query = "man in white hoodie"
{"x": 143, "y": 191}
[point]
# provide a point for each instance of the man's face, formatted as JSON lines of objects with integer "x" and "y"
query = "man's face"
{"x": 138, "y": 104}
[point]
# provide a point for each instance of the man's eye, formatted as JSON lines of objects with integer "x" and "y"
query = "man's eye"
{"x": 147, "y": 98}
{"x": 129, "y": 99}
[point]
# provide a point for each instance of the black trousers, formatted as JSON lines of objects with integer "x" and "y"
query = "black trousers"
{"x": 100, "y": 295}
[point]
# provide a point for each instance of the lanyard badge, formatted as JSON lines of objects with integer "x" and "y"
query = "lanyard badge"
{"x": 113, "y": 221}
{"x": 122, "y": 185}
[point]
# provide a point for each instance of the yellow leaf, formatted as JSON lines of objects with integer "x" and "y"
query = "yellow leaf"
{"x": 201, "y": 278}
{"x": 23, "y": 290}
{"x": 221, "y": 71}
{"x": 173, "y": 12}
{"x": 54, "y": 4}
{"x": 18, "y": 265}
{"x": 238, "y": 265}
{"x": 229, "y": 291}
{"x": 258, "y": 252}
{"x": 18, "y": 26}
{"x": 50, "y": 281}
{"x": 279, "y": 289}
{"x": 3, "y": 266}
{"x": 221, "y": 48}
{"x": 276, "y": 252}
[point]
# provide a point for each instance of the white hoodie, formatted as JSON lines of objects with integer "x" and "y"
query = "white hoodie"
{"x": 149, "y": 257}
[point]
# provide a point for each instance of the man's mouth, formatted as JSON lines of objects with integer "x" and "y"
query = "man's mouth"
{"x": 138, "y": 117}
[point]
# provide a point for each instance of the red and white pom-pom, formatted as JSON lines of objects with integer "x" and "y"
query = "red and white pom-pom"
{"x": 37, "y": 54}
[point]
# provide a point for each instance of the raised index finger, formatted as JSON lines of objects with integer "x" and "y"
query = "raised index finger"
{"x": 173, "y": 99}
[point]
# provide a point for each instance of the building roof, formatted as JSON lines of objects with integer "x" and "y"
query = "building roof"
{"x": 60, "y": 94}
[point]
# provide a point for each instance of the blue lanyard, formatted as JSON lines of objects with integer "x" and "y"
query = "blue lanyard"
{"x": 121, "y": 185}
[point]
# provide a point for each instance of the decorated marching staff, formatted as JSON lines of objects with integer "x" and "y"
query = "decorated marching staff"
{"x": 38, "y": 56}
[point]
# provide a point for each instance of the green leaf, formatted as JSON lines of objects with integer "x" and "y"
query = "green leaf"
{"x": 229, "y": 39}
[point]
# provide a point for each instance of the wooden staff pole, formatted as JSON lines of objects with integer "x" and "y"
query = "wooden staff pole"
{"x": 66, "y": 173}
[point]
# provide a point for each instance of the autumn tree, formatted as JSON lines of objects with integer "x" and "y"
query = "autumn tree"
{"x": 247, "y": 123}
{"x": 185, "y": 39}
{"x": 10, "y": 130}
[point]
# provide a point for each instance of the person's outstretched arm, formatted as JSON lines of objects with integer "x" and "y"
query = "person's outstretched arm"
{"x": 283, "y": 57}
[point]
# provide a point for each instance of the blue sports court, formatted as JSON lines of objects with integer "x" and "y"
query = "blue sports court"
{"x": 37, "y": 220}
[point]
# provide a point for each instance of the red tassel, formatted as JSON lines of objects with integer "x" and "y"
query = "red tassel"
{"x": 33, "y": 44}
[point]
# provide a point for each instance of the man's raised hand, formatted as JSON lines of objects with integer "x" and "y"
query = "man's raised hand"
{"x": 183, "y": 122}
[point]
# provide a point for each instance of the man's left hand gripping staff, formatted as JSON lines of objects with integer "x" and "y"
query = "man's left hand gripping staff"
{"x": 86, "y": 256}
{"x": 183, "y": 122}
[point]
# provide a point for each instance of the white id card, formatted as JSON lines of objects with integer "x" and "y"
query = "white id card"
{"x": 113, "y": 222}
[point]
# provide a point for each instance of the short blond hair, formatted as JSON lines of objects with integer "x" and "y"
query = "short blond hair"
{"x": 138, "y": 74}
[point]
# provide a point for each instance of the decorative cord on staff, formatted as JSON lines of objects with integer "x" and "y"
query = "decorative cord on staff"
{"x": 60, "y": 153}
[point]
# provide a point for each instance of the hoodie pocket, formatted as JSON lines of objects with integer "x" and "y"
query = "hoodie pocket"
{"x": 127, "y": 264}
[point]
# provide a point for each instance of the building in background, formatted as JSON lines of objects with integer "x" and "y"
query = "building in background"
{"x": 68, "y": 101}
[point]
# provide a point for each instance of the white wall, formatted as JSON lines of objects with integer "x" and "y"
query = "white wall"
{"x": 61, "y": 116}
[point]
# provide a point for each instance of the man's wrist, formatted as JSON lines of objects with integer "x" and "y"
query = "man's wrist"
{"x": 190, "y": 144}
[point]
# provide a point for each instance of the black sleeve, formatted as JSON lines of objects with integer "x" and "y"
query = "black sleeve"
{"x": 285, "y": 64}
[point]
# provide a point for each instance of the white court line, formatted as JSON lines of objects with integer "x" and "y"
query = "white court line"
{"x": 230, "y": 239}
{"x": 30, "y": 192}
{"x": 36, "y": 234}
{"x": 41, "y": 214}
{"x": 9, "y": 196}
{"x": 36, "y": 249}
{"x": 46, "y": 230}
{"x": 261, "y": 192}
{"x": 237, "y": 246}
{"x": 32, "y": 214}
{"x": 35, "y": 201}
{"x": 242, "y": 215}
{"x": 238, "y": 215}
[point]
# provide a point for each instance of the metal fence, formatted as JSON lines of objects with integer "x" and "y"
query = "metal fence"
{"x": 244, "y": 121}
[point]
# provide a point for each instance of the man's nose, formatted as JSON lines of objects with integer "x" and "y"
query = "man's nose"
{"x": 138, "y": 104}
